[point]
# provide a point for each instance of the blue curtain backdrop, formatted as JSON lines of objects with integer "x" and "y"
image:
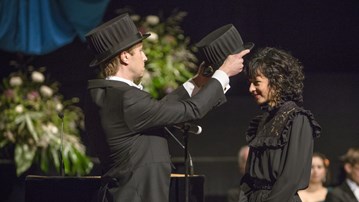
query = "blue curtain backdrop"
{"x": 37, "y": 27}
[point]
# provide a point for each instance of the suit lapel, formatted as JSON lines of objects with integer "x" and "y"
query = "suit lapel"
{"x": 348, "y": 192}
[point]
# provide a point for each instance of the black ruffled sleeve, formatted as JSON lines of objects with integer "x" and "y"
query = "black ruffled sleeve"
{"x": 252, "y": 129}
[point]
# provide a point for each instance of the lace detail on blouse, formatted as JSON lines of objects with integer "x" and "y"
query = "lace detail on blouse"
{"x": 271, "y": 129}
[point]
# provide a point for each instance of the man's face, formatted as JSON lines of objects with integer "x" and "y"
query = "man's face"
{"x": 352, "y": 172}
{"x": 137, "y": 61}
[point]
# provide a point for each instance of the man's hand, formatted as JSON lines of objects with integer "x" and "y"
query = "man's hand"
{"x": 200, "y": 79}
{"x": 233, "y": 64}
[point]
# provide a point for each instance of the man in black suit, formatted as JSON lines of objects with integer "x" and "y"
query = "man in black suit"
{"x": 126, "y": 123}
{"x": 348, "y": 191}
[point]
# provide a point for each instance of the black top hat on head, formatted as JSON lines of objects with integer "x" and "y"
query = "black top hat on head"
{"x": 112, "y": 37}
{"x": 217, "y": 45}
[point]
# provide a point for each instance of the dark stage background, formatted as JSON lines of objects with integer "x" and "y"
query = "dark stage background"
{"x": 322, "y": 34}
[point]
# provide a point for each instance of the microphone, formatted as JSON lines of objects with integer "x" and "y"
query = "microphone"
{"x": 62, "y": 167}
{"x": 189, "y": 128}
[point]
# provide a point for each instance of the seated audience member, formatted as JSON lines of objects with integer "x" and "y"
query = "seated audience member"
{"x": 316, "y": 191}
{"x": 348, "y": 191}
{"x": 233, "y": 194}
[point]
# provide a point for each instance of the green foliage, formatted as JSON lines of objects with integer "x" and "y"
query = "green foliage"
{"x": 29, "y": 120}
{"x": 170, "y": 61}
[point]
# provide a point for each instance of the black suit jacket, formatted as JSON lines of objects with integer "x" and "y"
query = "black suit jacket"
{"x": 342, "y": 193}
{"x": 124, "y": 123}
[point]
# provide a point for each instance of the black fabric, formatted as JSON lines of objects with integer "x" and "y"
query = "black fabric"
{"x": 342, "y": 193}
{"x": 84, "y": 189}
{"x": 125, "y": 124}
{"x": 217, "y": 45}
{"x": 60, "y": 189}
{"x": 281, "y": 146}
{"x": 140, "y": 186}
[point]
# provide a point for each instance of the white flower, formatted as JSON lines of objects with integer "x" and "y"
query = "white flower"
{"x": 59, "y": 106}
{"x": 46, "y": 91}
{"x": 152, "y": 20}
{"x": 37, "y": 77}
{"x": 53, "y": 129}
{"x": 15, "y": 81}
{"x": 19, "y": 109}
{"x": 50, "y": 128}
{"x": 135, "y": 17}
{"x": 44, "y": 141}
{"x": 152, "y": 37}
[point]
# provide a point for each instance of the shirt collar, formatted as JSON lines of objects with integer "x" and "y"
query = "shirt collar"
{"x": 116, "y": 78}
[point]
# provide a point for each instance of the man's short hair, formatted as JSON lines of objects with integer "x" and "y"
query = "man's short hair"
{"x": 352, "y": 156}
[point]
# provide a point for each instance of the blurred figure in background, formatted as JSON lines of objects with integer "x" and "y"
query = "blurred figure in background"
{"x": 317, "y": 190}
{"x": 348, "y": 191}
{"x": 233, "y": 194}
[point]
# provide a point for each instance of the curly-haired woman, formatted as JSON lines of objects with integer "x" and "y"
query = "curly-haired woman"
{"x": 281, "y": 139}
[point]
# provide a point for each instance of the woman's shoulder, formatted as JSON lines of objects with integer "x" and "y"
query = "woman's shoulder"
{"x": 273, "y": 130}
{"x": 303, "y": 114}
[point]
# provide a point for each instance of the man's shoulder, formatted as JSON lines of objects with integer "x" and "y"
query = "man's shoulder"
{"x": 339, "y": 193}
{"x": 103, "y": 83}
{"x": 338, "y": 189}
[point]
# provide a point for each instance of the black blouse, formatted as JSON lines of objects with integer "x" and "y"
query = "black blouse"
{"x": 280, "y": 156}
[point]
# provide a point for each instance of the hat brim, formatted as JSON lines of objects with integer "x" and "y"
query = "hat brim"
{"x": 96, "y": 62}
{"x": 248, "y": 45}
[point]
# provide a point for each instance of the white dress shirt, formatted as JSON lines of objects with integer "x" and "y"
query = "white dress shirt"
{"x": 354, "y": 187}
{"x": 116, "y": 78}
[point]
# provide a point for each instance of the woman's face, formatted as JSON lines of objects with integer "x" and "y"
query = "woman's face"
{"x": 260, "y": 89}
{"x": 318, "y": 171}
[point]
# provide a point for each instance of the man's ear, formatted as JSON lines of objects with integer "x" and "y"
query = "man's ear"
{"x": 124, "y": 57}
{"x": 347, "y": 168}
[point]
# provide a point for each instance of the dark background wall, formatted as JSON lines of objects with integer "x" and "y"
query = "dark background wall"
{"x": 322, "y": 34}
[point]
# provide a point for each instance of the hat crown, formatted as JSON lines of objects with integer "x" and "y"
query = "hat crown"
{"x": 113, "y": 36}
{"x": 217, "y": 45}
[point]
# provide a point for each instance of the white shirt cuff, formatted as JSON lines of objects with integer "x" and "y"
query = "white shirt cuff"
{"x": 189, "y": 86}
{"x": 220, "y": 75}
{"x": 223, "y": 78}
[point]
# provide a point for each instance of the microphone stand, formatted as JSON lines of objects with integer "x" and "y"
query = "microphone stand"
{"x": 191, "y": 169}
{"x": 185, "y": 139}
{"x": 188, "y": 158}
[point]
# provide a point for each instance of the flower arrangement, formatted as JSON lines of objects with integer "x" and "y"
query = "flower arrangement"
{"x": 30, "y": 121}
{"x": 170, "y": 61}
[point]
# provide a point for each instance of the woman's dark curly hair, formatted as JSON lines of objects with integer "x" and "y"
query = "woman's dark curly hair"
{"x": 283, "y": 71}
